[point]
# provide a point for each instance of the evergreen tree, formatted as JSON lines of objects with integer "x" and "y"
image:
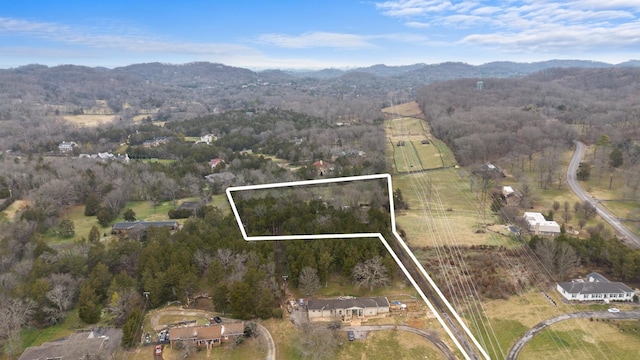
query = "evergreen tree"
{"x": 129, "y": 215}
{"x": 91, "y": 205}
{"x": 615, "y": 158}
{"x": 88, "y": 304}
{"x": 131, "y": 332}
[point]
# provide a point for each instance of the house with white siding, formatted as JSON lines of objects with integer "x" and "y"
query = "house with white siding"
{"x": 595, "y": 287}
{"x": 347, "y": 308}
{"x": 538, "y": 225}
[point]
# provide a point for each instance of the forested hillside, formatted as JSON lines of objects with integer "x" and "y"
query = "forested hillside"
{"x": 511, "y": 118}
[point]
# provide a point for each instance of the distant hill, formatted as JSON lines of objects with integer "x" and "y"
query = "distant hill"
{"x": 168, "y": 91}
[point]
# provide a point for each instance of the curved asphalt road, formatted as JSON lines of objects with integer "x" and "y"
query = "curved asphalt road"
{"x": 626, "y": 234}
{"x": 517, "y": 347}
{"x": 432, "y": 337}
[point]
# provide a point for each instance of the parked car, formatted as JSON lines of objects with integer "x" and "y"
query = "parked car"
{"x": 351, "y": 335}
{"x": 158, "y": 350}
{"x": 613, "y": 310}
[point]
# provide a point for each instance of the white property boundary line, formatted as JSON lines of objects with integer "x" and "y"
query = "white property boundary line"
{"x": 386, "y": 177}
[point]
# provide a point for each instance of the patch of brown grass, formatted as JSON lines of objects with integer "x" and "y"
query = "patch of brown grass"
{"x": 15, "y": 208}
{"x": 90, "y": 120}
{"x": 411, "y": 109}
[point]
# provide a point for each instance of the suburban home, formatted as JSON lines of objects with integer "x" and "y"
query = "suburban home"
{"x": 595, "y": 287}
{"x": 66, "y": 146}
{"x": 106, "y": 156}
{"x": 157, "y": 141}
{"x": 98, "y": 344}
{"x": 348, "y": 308}
{"x": 538, "y": 225}
{"x": 126, "y": 226}
{"x": 322, "y": 167}
{"x": 207, "y": 139}
{"x": 208, "y": 336}
{"x": 215, "y": 162}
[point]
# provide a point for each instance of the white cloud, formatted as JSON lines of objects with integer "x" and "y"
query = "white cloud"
{"x": 403, "y": 8}
{"x": 126, "y": 39}
{"x": 539, "y": 25}
{"x": 316, "y": 39}
{"x": 417, "y": 24}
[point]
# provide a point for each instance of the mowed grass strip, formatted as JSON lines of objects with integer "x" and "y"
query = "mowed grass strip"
{"x": 410, "y": 109}
{"x": 451, "y": 214}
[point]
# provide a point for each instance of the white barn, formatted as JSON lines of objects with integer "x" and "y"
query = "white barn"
{"x": 540, "y": 226}
{"x": 347, "y": 309}
{"x": 595, "y": 288}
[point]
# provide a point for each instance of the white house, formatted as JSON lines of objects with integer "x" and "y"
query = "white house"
{"x": 540, "y": 226}
{"x": 595, "y": 288}
{"x": 507, "y": 191}
{"x": 207, "y": 139}
{"x": 67, "y": 146}
{"x": 346, "y": 309}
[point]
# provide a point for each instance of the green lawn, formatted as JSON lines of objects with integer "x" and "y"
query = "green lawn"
{"x": 34, "y": 337}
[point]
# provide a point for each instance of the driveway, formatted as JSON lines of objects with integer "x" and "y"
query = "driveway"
{"x": 626, "y": 234}
{"x": 517, "y": 347}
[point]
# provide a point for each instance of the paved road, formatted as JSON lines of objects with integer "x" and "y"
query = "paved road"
{"x": 360, "y": 333}
{"x": 626, "y": 235}
{"x": 517, "y": 347}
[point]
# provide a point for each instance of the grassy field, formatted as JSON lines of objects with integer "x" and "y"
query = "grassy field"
{"x": 144, "y": 211}
{"x": 89, "y": 120}
{"x": 452, "y": 212}
{"x": 33, "y": 337}
{"x": 408, "y": 109}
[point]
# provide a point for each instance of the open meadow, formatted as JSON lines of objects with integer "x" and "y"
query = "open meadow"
{"x": 89, "y": 120}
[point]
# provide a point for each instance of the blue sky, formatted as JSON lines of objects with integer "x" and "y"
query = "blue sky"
{"x": 286, "y": 34}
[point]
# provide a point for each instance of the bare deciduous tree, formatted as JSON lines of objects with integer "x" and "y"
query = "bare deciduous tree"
{"x": 308, "y": 281}
{"x": 371, "y": 273}
{"x": 316, "y": 343}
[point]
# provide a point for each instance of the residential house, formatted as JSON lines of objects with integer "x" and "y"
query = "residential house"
{"x": 322, "y": 167}
{"x": 98, "y": 344}
{"x": 215, "y": 162}
{"x": 538, "y": 225}
{"x": 126, "y": 226}
{"x": 155, "y": 142}
{"x": 347, "y": 309}
{"x": 595, "y": 287}
{"x": 106, "y": 156}
{"x": 208, "y": 336}
{"x": 207, "y": 139}
{"x": 66, "y": 146}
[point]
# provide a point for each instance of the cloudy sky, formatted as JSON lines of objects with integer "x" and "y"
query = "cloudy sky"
{"x": 260, "y": 34}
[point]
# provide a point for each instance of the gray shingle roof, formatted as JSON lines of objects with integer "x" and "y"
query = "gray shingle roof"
{"x": 127, "y": 225}
{"x": 596, "y": 287}
{"x": 347, "y": 303}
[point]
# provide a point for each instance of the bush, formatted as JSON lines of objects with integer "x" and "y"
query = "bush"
{"x": 180, "y": 213}
{"x": 276, "y": 313}
{"x": 104, "y": 217}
